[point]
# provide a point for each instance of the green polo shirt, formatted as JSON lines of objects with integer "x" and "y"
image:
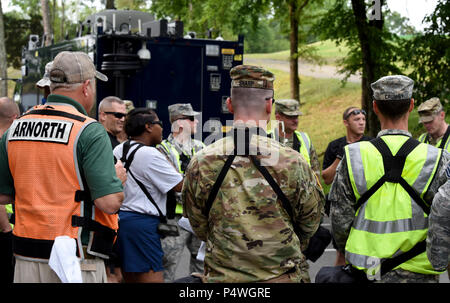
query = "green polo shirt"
{"x": 94, "y": 153}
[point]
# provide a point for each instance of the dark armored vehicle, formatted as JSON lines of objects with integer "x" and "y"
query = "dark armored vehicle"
{"x": 150, "y": 62}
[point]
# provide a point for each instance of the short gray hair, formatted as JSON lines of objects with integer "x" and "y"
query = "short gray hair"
{"x": 107, "y": 102}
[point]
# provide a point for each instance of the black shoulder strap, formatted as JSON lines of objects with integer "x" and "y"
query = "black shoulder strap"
{"x": 263, "y": 170}
{"x": 276, "y": 188}
{"x": 215, "y": 189}
{"x": 52, "y": 112}
{"x": 296, "y": 144}
{"x": 126, "y": 147}
{"x": 445, "y": 138}
{"x": 393, "y": 166}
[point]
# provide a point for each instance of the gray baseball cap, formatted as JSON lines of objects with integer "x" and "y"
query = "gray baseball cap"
{"x": 397, "y": 87}
{"x": 181, "y": 109}
{"x": 74, "y": 67}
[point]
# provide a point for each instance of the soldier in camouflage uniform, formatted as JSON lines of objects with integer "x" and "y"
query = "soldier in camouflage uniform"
{"x": 438, "y": 240}
{"x": 248, "y": 233}
{"x": 179, "y": 148}
{"x": 395, "y": 89}
{"x": 287, "y": 112}
{"x": 432, "y": 116}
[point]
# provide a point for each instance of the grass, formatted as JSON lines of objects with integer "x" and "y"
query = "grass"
{"x": 327, "y": 50}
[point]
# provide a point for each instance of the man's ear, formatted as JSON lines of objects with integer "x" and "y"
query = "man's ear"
{"x": 229, "y": 105}
{"x": 269, "y": 105}
{"x": 375, "y": 108}
{"x": 411, "y": 105}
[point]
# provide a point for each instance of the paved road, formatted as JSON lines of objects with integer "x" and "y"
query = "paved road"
{"x": 327, "y": 259}
{"x": 305, "y": 69}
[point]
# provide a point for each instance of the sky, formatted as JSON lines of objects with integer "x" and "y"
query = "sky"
{"x": 415, "y": 10}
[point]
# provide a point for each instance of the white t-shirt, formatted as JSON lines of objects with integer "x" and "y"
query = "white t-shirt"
{"x": 157, "y": 174}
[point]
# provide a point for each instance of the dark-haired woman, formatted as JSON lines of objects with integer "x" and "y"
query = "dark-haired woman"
{"x": 138, "y": 240}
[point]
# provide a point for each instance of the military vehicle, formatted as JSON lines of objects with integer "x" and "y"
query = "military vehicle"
{"x": 150, "y": 62}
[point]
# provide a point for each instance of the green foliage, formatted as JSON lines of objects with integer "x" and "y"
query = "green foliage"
{"x": 266, "y": 38}
{"x": 339, "y": 25}
{"x": 396, "y": 23}
{"x": 17, "y": 32}
{"x": 428, "y": 56}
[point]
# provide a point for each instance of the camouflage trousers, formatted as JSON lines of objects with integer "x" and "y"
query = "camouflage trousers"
{"x": 403, "y": 276}
{"x": 173, "y": 248}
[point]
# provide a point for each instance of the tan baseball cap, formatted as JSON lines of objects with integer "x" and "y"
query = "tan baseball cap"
{"x": 429, "y": 109}
{"x": 74, "y": 67}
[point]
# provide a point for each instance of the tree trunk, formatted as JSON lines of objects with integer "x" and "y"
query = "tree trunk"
{"x": 63, "y": 20}
{"x": 48, "y": 29}
{"x": 110, "y": 4}
{"x": 3, "y": 65}
{"x": 369, "y": 66}
{"x": 293, "y": 59}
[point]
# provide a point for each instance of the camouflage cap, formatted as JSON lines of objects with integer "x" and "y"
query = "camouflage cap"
{"x": 429, "y": 109}
{"x": 181, "y": 109}
{"x": 128, "y": 105}
{"x": 393, "y": 88}
{"x": 249, "y": 76}
{"x": 45, "y": 81}
{"x": 288, "y": 107}
{"x": 74, "y": 67}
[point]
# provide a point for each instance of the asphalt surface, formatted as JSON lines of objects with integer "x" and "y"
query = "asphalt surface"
{"x": 327, "y": 259}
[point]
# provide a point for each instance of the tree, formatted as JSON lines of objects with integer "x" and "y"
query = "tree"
{"x": 110, "y": 4}
{"x": 296, "y": 7}
{"x": 46, "y": 20}
{"x": 428, "y": 57}
{"x": 373, "y": 49}
{"x": 235, "y": 16}
{"x": 17, "y": 32}
{"x": 3, "y": 63}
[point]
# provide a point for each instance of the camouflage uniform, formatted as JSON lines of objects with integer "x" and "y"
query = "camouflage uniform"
{"x": 249, "y": 236}
{"x": 438, "y": 240}
{"x": 343, "y": 213}
{"x": 289, "y": 107}
{"x": 173, "y": 246}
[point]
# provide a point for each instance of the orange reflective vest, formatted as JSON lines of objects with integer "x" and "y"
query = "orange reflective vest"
{"x": 50, "y": 195}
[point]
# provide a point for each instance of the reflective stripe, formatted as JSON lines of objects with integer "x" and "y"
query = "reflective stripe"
{"x": 417, "y": 222}
{"x": 357, "y": 167}
{"x": 427, "y": 169}
{"x": 366, "y": 261}
{"x": 304, "y": 138}
{"x": 422, "y": 137}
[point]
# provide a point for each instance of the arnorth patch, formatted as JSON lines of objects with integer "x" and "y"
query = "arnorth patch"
{"x": 46, "y": 130}
{"x": 447, "y": 171}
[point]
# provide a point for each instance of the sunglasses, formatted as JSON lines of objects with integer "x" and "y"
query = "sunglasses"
{"x": 116, "y": 114}
{"x": 190, "y": 118}
{"x": 355, "y": 112}
{"x": 273, "y": 99}
{"x": 160, "y": 123}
